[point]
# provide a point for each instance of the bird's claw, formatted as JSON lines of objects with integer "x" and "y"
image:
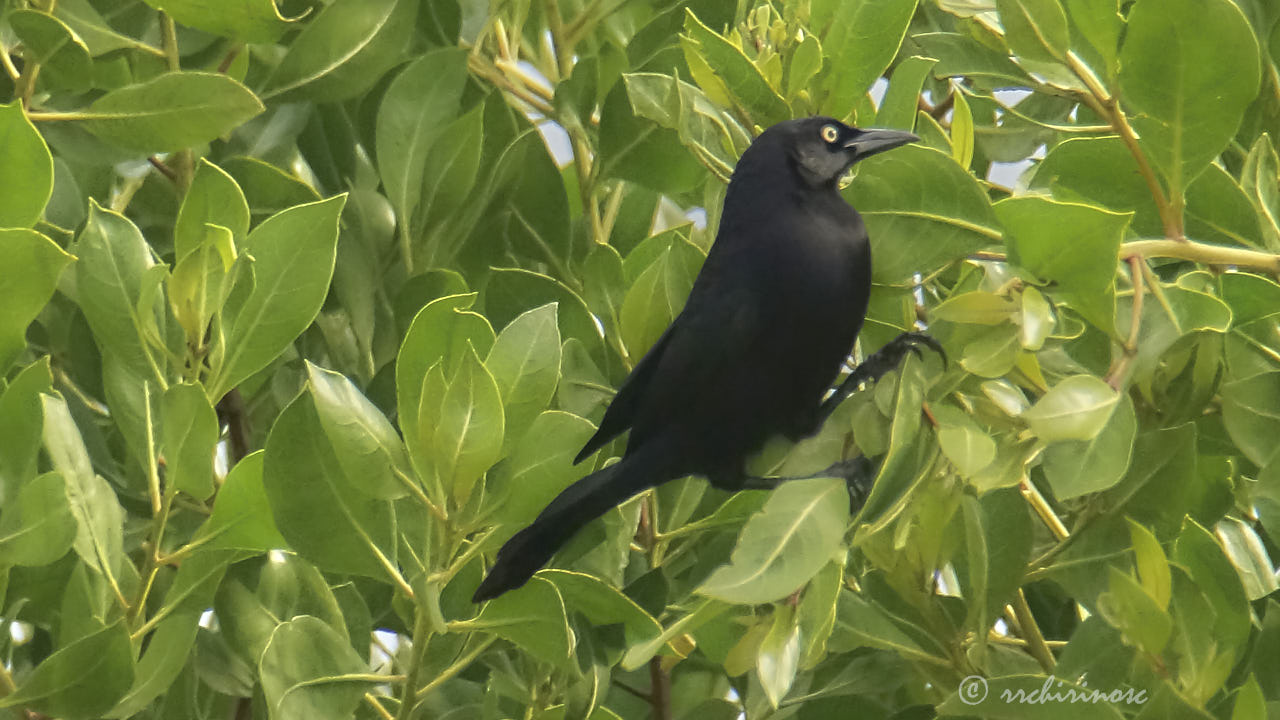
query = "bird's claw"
{"x": 890, "y": 356}
{"x": 858, "y": 474}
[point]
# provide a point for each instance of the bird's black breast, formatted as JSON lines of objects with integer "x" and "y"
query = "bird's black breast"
{"x": 772, "y": 315}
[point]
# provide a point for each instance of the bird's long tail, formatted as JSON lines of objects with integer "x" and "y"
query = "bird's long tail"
{"x": 580, "y": 503}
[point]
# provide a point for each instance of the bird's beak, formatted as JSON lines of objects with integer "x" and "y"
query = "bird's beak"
{"x": 870, "y": 142}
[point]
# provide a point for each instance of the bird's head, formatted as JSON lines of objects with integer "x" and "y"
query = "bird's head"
{"x": 823, "y": 149}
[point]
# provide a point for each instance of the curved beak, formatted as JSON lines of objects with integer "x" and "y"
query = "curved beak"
{"x": 869, "y": 142}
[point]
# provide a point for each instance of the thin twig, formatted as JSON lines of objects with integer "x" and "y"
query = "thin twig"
{"x": 1031, "y": 633}
{"x": 1116, "y": 377}
{"x": 1108, "y": 108}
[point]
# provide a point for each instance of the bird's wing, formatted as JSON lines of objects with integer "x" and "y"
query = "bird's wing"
{"x": 622, "y": 411}
{"x": 713, "y": 328}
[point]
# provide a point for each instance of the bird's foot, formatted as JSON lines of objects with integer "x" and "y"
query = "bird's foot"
{"x": 858, "y": 474}
{"x": 876, "y": 366}
{"x": 890, "y": 356}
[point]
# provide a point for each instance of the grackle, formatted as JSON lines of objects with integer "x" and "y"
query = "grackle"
{"x": 771, "y": 318}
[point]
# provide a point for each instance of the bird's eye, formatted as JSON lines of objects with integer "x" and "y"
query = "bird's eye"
{"x": 830, "y": 133}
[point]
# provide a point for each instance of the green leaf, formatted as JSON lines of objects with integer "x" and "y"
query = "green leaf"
{"x": 170, "y": 112}
{"x": 416, "y": 109}
{"x": 1102, "y": 172}
{"x": 992, "y": 352}
{"x": 21, "y": 422}
{"x": 450, "y": 168}
{"x": 960, "y": 55}
{"x": 213, "y": 198}
{"x": 902, "y": 99}
{"x": 965, "y": 444}
{"x": 81, "y": 680}
{"x": 189, "y": 435}
{"x": 241, "y": 516}
{"x": 327, "y": 521}
{"x": 367, "y": 447}
{"x": 293, "y": 253}
{"x": 1036, "y": 321}
{"x": 656, "y": 297}
{"x": 735, "y": 72}
{"x": 860, "y": 622}
{"x": 512, "y": 291}
{"x": 778, "y": 658}
{"x": 525, "y": 362}
{"x": 640, "y": 150}
{"x": 309, "y": 670}
{"x": 1078, "y": 467}
{"x": 1132, "y": 611}
{"x": 1041, "y": 230}
{"x": 97, "y": 33}
{"x": 962, "y": 132}
{"x": 785, "y": 544}
{"x": 343, "y": 50}
{"x": 468, "y": 437}
{"x": 439, "y": 335}
{"x": 539, "y": 466}
{"x": 253, "y": 21}
{"x": 1153, "y": 566}
{"x": 1249, "y": 703}
{"x": 109, "y": 280}
{"x": 806, "y": 61}
{"x": 1100, "y": 23}
{"x": 1251, "y": 412}
{"x": 1199, "y": 552}
{"x": 198, "y": 288}
{"x": 1076, "y": 408}
{"x": 816, "y": 613}
{"x": 63, "y": 56}
{"x": 1176, "y": 53}
{"x": 978, "y": 308}
{"x": 862, "y": 40}
{"x": 38, "y": 528}
{"x": 603, "y": 604}
{"x": 1037, "y": 33}
{"x": 98, "y": 515}
{"x": 532, "y": 617}
{"x": 30, "y": 265}
{"x": 168, "y": 647}
{"x": 26, "y": 176}
{"x": 1260, "y": 181}
{"x": 1247, "y": 553}
{"x": 922, "y": 211}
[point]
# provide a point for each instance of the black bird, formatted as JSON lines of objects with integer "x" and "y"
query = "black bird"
{"x": 771, "y": 319}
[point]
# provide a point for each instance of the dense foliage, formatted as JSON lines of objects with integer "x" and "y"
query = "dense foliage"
{"x": 300, "y": 319}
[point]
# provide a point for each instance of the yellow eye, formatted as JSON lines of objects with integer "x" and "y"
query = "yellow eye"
{"x": 830, "y": 133}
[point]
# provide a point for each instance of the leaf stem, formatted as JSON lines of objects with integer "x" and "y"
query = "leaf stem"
{"x": 1051, "y": 520}
{"x": 1106, "y": 105}
{"x": 377, "y": 707}
{"x": 169, "y": 41}
{"x": 458, "y": 666}
{"x": 9, "y": 68}
{"x": 1120, "y": 370}
{"x": 421, "y": 635}
{"x": 1031, "y": 633}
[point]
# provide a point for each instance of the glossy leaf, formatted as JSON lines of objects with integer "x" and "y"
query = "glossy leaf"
{"x": 783, "y": 545}
{"x": 1075, "y": 409}
{"x": 30, "y": 265}
{"x": 170, "y": 112}
{"x": 26, "y": 178}
{"x": 293, "y": 253}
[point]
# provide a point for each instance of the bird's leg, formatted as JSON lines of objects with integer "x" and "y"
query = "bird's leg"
{"x": 877, "y": 365}
{"x": 858, "y": 474}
